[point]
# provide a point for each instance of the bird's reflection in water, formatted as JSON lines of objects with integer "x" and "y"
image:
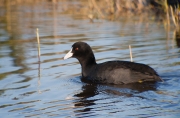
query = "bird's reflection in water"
{"x": 85, "y": 101}
{"x": 88, "y": 90}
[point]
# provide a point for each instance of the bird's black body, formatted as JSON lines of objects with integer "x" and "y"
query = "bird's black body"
{"x": 111, "y": 72}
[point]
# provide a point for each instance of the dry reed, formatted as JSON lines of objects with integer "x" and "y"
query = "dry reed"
{"x": 130, "y": 53}
{"x": 38, "y": 42}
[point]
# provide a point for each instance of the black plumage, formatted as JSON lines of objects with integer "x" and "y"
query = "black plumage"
{"x": 111, "y": 72}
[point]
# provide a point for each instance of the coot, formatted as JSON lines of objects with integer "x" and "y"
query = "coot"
{"x": 110, "y": 72}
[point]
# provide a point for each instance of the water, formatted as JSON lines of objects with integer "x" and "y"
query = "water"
{"x": 53, "y": 88}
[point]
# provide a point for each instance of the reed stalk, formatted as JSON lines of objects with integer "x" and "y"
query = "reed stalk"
{"x": 130, "y": 53}
{"x": 39, "y": 64}
{"x": 97, "y": 8}
{"x": 173, "y": 16}
{"x": 39, "y": 53}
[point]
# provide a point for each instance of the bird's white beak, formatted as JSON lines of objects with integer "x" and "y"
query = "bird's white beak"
{"x": 68, "y": 55}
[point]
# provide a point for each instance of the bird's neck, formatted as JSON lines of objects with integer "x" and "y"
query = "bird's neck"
{"x": 87, "y": 65}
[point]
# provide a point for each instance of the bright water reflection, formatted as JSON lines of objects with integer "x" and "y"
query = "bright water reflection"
{"x": 54, "y": 88}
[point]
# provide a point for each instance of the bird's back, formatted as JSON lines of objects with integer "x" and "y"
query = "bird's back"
{"x": 122, "y": 72}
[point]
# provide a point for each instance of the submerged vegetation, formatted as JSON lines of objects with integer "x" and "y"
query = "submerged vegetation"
{"x": 167, "y": 11}
{"x": 164, "y": 11}
{"x": 105, "y": 8}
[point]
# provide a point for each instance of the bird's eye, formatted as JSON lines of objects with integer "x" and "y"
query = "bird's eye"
{"x": 76, "y": 48}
